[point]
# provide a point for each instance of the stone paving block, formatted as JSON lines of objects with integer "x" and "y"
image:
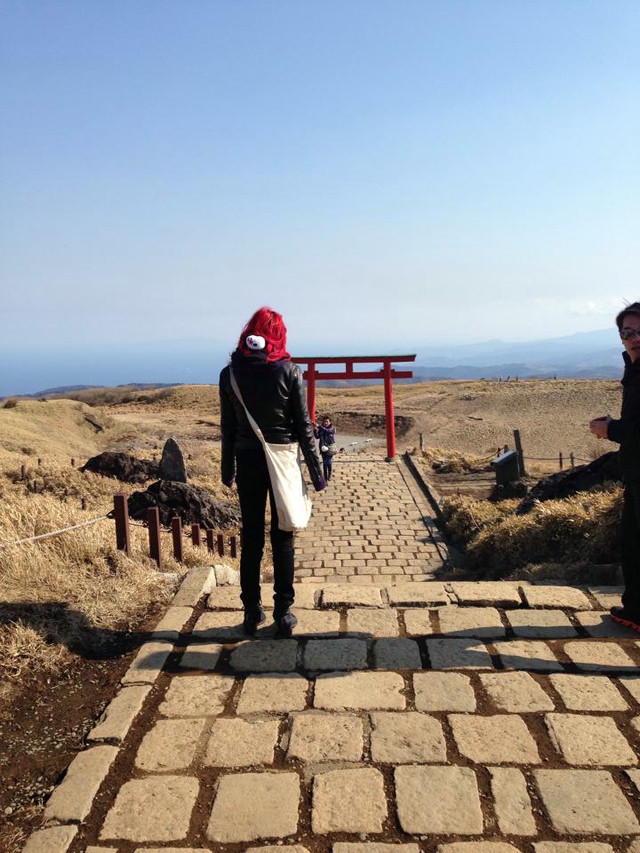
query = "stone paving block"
{"x": 273, "y": 692}
{"x": 634, "y": 778}
{"x": 588, "y": 692}
{"x": 487, "y": 593}
{"x": 306, "y": 597}
{"x": 119, "y": 714}
{"x": 348, "y": 801}
{"x": 438, "y": 800}
{"x": 154, "y": 809}
{"x": 527, "y": 654}
{"x": 372, "y": 623}
{"x": 198, "y": 582}
{"x": 73, "y": 798}
{"x": 396, "y": 653}
{"x": 223, "y": 625}
{"x": 425, "y": 594}
{"x": 92, "y": 849}
{"x": 172, "y": 623}
{"x": 607, "y": 596}
{"x": 273, "y": 848}
{"x": 569, "y": 797}
{"x": 477, "y": 847}
{"x": 418, "y": 622}
{"x": 516, "y": 692}
{"x": 371, "y": 847}
{"x": 169, "y": 745}
{"x": 54, "y": 839}
{"x": 196, "y": 695}
{"x": 598, "y": 623}
{"x": 265, "y": 656}
{"x": 201, "y": 656}
{"x": 224, "y": 598}
{"x": 148, "y": 663}
{"x": 407, "y": 738}
{"x": 599, "y": 657}
{"x": 346, "y": 653}
{"x": 360, "y": 690}
{"x": 249, "y": 806}
{"x": 320, "y": 736}
{"x": 443, "y": 691}
{"x": 572, "y": 847}
{"x": 583, "y": 739}
{"x": 324, "y": 623}
{"x": 511, "y": 801}
{"x": 478, "y": 622}
{"x": 542, "y": 624}
{"x": 632, "y": 684}
{"x": 499, "y": 739}
{"x": 240, "y": 743}
{"x": 344, "y": 595}
{"x": 458, "y": 653}
{"x": 556, "y": 597}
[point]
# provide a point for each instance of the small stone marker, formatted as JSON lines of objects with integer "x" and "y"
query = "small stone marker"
{"x": 172, "y": 465}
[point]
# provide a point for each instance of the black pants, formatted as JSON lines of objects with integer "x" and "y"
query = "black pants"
{"x": 630, "y": 547}
{"x": 252, "y": 478}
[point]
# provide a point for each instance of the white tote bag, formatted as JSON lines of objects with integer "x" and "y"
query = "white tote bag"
{"x": 285, "y": 471}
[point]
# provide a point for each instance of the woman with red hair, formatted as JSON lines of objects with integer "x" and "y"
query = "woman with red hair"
{"x": 271, "y": 388}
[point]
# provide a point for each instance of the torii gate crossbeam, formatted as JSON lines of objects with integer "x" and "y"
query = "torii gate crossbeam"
{"x": 386, "y": 373}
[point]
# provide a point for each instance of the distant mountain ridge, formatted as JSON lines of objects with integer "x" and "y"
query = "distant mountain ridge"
{"x": 585, "y": 355}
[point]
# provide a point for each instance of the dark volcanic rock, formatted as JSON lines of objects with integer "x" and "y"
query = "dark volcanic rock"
{"x": 574, "y": 480}
{"x": 122, "y": 466}
{"x": 172, "y": 465}
{"x": 192, "y": 504}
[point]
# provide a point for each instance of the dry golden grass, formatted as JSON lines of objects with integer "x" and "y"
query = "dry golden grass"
{"x": 580, "y": 530}
{"x": 63, "y": 593}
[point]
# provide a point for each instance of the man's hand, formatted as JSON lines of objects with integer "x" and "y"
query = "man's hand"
{"x": 600, "y": 426}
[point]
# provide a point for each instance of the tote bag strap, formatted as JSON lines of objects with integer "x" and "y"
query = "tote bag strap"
{"x": 253, "y": 423}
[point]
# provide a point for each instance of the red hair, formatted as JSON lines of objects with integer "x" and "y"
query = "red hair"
{"x": 270, "y": 325}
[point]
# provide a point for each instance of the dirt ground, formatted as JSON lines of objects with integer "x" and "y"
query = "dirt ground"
{"x": 44, "y": 724}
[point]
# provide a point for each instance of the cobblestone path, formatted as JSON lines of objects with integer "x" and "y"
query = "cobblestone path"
{"x": 372, "y": 524}
{"x": 408, "y": 716}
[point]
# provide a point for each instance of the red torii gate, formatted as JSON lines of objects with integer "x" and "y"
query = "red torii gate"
{"x": 387, "y": 373}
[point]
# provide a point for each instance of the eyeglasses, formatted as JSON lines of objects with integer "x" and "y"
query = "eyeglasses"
{"x": 628, "y": 333}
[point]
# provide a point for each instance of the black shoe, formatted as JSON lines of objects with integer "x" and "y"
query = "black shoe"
{"x": 253, "y": 616}
{"x": 285, "y": 624}
{"x": 624, "y": 617}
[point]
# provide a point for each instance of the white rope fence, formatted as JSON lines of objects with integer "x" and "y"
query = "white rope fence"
{"x": 56, "y": 532}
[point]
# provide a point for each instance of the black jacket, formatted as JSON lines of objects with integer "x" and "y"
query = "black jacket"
{"x": 626, "y": 430}
{"x": 273, "y": 392}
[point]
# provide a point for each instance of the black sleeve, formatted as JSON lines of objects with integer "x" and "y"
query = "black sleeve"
{"x": 303, "y": 428}
{"x": 228, "y": 427}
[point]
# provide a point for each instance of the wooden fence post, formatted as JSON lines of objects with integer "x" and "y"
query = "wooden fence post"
{"x": 195, "y": 535}
{"x": 421, "y": 441}
{"x": 121, "y": 515}
{"x": 176, "y": 533}
{"x": 23, "y": 472}
{"x": 516, "y": 438}
{"x": 220, "y": 542}
{"x": 210, "y": 544}
{"x": 73, "y": 463}
{"x": 572, "y": 459}
{"x": 155, "y": 548}
{"x": 560, "y": 459}
{"x": 233, "y": 547}
{"x": 83, "y": 503}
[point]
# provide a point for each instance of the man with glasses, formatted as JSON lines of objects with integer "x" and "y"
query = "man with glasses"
{"x": 625, "y": 431}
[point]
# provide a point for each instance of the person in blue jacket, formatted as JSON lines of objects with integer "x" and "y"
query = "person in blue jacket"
{"x": 625, "y": 431}
{"x": 326, "y": 435}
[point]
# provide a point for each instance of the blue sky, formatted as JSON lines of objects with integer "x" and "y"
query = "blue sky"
{"x": 387, "y": 173}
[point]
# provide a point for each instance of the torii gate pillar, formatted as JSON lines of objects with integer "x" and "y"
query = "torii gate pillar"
{"x": 386, "y": 373}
